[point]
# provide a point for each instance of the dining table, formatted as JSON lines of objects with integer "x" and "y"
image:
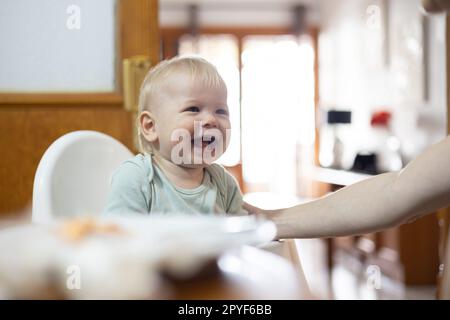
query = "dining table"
{"x": 245, "y": 272}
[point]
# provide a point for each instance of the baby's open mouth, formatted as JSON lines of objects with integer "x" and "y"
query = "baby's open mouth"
{"x": 203, "y": 141}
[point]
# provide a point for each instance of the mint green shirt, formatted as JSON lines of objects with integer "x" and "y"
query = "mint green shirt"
{"x": 139, "y": 186}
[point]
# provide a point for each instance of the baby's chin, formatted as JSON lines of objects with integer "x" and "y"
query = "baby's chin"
{"x": 193, "y": 166}
{"x": 198, "y": 158}
{"x": 197, "y": 164}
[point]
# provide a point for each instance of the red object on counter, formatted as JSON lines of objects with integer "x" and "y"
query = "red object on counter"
{"x": 380, "y": 118}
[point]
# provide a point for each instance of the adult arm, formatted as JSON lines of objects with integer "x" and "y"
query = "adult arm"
{"x": 377, "y": 203}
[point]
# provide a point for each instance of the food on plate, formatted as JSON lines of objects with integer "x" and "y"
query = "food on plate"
{"x": 79, "y": 228}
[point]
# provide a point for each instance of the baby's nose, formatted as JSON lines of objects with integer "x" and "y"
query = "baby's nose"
{"x": 209, "y": 121}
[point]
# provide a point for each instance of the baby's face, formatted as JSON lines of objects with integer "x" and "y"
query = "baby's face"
{"x": 192, "y": 122}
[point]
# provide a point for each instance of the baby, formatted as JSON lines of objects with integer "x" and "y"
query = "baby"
{"x": 184, "y": 126}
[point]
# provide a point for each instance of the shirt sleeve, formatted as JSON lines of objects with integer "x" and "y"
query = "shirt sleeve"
{"x": 129, "y": 190}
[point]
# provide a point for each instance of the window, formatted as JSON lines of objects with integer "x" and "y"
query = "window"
{"x": 277, "y": 110}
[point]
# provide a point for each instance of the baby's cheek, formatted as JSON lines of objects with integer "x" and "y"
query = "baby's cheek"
{"x": 180, "y": 139}
{"x": 224, "y": 124}
{"x": 180, "y": 131}
{"x": 226, "y": 131}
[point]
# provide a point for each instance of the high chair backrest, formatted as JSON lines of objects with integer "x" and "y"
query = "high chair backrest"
{"x": 74, "y": 173}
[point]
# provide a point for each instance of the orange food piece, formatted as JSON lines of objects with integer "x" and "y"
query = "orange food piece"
{"x": 80, "y": 228}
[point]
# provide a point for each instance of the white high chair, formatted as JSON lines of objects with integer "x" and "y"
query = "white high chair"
{"x": 74, "y": 173}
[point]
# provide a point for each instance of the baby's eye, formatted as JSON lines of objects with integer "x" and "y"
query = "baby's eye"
{"x": 191, "y": 109}
{"x": 222, "y": 111}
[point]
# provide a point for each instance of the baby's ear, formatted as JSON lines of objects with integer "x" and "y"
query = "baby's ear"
{"x": 147, "y": 123}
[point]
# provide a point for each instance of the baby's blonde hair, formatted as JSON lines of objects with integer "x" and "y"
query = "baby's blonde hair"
{"x": 197, "y": 68}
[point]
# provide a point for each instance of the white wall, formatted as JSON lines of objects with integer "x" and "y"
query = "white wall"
{"x": 354, "y": 74}
{"x": 40, "y": 53}
{"x": 266, "y": 13}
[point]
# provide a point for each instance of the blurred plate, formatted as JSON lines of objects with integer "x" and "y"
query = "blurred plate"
{"x": 118, "y": 257}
